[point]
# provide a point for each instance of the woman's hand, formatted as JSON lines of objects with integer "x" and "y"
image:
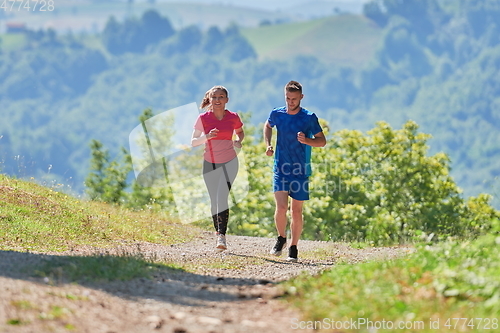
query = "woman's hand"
{"x": 212, "y": 134}
{"x": 237, "y": 143}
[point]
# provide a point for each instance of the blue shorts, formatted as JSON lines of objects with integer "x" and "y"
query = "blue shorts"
{"x": 297, "y": 188}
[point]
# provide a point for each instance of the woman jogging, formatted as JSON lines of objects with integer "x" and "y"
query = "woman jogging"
{"x": 215, "y": 128}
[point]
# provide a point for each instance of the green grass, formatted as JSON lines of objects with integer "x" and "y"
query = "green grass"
{"x": 37, "y": 218}
{"x": 433, "y": 286}
{"x": 99, "y": 268}
{"x": 266, "y": 39}
{"x": 348, "y": 40}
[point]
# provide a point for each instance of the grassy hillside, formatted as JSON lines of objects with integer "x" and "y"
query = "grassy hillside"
{"x": 344, "y": 40}
{"x": 37, "y": 218}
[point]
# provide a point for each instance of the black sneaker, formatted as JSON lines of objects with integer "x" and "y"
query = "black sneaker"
{"x": 278, "y": 247}
{"x": 292, "y": 253}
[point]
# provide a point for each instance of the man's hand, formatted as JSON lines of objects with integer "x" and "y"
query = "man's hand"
{"x": 301, "y": 137}
{"x": 270, "y": 151}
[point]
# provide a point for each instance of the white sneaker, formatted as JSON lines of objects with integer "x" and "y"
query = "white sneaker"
{"x": 221, "y": 243}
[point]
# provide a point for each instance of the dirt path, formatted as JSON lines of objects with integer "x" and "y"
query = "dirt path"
{"x": 235, "y": 291}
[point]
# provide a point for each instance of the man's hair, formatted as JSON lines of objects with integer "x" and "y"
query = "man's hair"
{"x": 293, "y": 86}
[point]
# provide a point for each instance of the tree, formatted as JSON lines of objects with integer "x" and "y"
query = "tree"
{"x": 236, "y": 46}
{"x": 107, "y": 180}
{"x": 110, "y": 181}
{"x": 212, "y": 41}
{"x": 155, "y": 27}
{"x": 111, "y": 36}
{"x": 373, "y": 10}
{"x": 135, "y": 35}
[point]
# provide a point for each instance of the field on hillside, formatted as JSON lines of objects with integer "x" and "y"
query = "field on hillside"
{"x": 343, "y": 40}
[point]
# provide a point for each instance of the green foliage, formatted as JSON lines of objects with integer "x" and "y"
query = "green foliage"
{"x": 150, "y": 189}
{"x": 254, "y": 215}
{"x": 228, "y": 44}
{"x": 386, "y": 186}
{"x": 52, "y": 71}
{"x": 449, "y": 280}
{"x": 107, "y": 180}
{"x": 381, "y": 187}
{"x": 135, "y": 35}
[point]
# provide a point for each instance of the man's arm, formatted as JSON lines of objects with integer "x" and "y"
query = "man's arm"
{"x": 319, "y": 139}
{"x": 268, "y": 134}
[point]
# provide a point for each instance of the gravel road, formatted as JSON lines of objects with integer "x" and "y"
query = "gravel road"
{"x": 233, "y": 291}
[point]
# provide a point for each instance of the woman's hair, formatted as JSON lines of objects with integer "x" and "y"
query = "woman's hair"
{"x": 206, "y": 99}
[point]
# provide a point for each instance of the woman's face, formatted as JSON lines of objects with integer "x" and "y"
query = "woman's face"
{"x": 218, "y": 100}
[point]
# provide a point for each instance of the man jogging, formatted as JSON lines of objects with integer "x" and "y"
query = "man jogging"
{"x": 297, "y": 131}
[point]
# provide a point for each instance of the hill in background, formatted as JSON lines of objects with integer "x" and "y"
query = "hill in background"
{"x": 346, "y": 40}
{"x": 343, "y": 40}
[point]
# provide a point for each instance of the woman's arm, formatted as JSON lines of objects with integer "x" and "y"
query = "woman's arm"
{"x": 198, "y": 139}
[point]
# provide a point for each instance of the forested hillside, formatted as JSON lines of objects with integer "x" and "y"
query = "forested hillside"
{"x": 434, "y": 61}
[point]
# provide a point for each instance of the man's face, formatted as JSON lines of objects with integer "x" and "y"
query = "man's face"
{"x": 293, "y": 99}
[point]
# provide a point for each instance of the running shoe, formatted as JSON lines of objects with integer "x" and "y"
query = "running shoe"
{"x": 221, "y": 242}
{"x": 278, "y": 247}
{"x": 292, "y": 254}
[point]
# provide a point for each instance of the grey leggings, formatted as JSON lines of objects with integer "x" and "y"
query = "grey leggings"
{"x": 219, "y": 177}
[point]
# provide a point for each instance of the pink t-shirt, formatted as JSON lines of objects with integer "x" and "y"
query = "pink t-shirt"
{"x": 219, "y": 149}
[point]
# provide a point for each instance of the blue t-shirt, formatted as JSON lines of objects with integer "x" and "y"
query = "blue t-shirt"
{"x": 293, "y": 158}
